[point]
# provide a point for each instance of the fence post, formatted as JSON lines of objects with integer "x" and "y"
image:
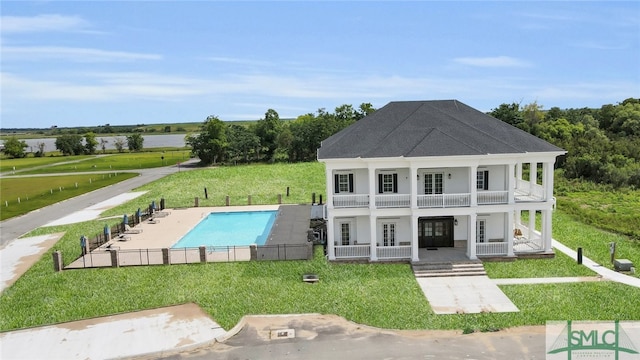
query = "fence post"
{"x": 203, "y": 254}
{"x": 227, "y": 201}
{"x": 196, "y": 200}
{"x": 253, "y": 249}
{"x": 313, "y": 198}
{"x": 249, "y": 200}
{"x": 165, "y": 256}
{"x": 114, "y": 258}
{"x": 161, "y": 203}
{"x": 320, "y": 200}
{"x": 57, "y": 261}
{"x": 279, "y": 198}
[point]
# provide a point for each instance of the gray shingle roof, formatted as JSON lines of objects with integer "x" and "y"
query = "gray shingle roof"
{"x": 429, "y": 128}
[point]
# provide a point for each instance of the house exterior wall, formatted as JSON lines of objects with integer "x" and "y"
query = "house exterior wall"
{"x": 461, "y": 198}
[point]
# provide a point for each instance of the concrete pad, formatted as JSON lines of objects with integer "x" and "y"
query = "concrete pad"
{"x": 170, "y": 329}
{"x": 548, "y": 280}
{"x": 17, "y": 257}
{"x": 93, "y": 212}
{"x": 465, "y": 295}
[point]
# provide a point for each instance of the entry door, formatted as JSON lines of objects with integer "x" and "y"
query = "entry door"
{"x": 435, "y": 232}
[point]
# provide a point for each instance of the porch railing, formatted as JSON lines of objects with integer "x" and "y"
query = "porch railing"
{"x": 393, "y": 252}
{"x": 391, "y": 201}
{"x": 444, "y": 200}
{"x": 492, "y": 248}
{"x": 353, "y": 251}
{"x": 354, "y": 200}
{"x": 527, "y": 192}
{"x": 493, "y": 197}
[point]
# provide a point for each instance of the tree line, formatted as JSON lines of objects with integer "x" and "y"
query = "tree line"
{"x": 74, "y": 144}
{"x": 271, "y": 139}
{"x": 603, "y": 145}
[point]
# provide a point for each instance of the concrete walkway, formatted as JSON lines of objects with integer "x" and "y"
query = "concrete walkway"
{"x": 606, "y": 273}
{"x": 158, "y": 331}
{"x": 465, "y": 295}
{"x": 549, "y": 280}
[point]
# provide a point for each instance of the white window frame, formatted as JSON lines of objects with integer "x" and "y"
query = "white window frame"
{"x": 343, "y": 183}
{"x": 433, "y": 190}
{"x": 387, "y": 183}
{"x": 481, "y": 230}
{"x": 481, "y": 179}
{"x": 389, "y": 233}
{"x": 351, "y": 232}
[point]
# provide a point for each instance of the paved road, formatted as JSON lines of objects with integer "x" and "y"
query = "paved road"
{"x": 331, "y": 337}
{"x": 14, "y": 228}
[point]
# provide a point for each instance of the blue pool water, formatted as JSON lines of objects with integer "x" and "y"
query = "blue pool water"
{"x": 230, "y": 229}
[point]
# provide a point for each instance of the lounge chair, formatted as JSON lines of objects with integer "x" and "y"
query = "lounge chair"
{"x": 123, "y": 237}
{"x": 129, "y": 230}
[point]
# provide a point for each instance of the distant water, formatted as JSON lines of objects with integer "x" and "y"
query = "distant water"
{"x": 150, "y": 141}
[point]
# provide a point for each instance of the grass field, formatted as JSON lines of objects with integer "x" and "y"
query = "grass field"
{"x": 22, "y": 195}
{"x": 383, "y": 295}
{"x": 9, "y": 165}
{"x": 117, "y": 162}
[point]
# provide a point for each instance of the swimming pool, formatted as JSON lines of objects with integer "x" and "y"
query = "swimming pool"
{"x": 240, "y": 228}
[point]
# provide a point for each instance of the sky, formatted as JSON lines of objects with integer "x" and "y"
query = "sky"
{"x": 90, "y": 63}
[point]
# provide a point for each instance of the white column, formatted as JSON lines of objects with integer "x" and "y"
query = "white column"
{"x": 508, "y": 231}
{"x": 331, "y": 232}
{"x": 517, "y": 218}
{"x": 533, "y": 176}
{"x": 532, "y": 223}
{"x": 473, "y": 187}
{"x": 330, "y": 187}
{"x": 547, "y": 180}
{"x": 413, "y": 180}
{"x": 471, "y": 237}
{"x": 372, "y": 187}
{"x": 519, "y": 171}
{"x": 546, "y": 229}
{"x": 414, "y": 238}
{"x": 510, "y": 183}
{"x": 374, "y": 236}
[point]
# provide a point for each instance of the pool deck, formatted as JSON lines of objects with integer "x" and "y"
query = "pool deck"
{"x": 290, "y": 227}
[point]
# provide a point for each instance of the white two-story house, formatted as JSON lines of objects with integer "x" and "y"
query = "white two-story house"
{"x": 420, "y": 175}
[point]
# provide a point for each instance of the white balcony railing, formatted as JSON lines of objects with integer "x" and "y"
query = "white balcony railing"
{"x": 491, "y": 248}
{"x": 393, "y": 252}
{"x": 352, "y": 251}
{"x": 351, "y": 201}
{"x": 493, "y": 197}
{"x": 525, "y": 191}
{"x": 444, "y": 200}
{"x": 393, "y": 201}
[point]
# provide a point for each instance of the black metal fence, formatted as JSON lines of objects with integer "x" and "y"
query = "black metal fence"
{"x": 115, "y": 257}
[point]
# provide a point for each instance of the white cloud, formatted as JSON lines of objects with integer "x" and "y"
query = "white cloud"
{"x": 41, "y": 23}
{"x": 496, "y": 61}
{"x": 37, "y": 53}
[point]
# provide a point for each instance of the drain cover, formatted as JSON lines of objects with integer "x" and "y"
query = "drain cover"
{"x": 283, "y": 334}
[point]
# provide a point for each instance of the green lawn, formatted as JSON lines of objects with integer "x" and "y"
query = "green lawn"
{"x": 383, "y": 295}
{"x": 8, "y": 165}
{"x": 22, "y": 195}
{"x": 118, "y": 161}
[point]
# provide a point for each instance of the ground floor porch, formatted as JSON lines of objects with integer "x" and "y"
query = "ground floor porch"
{"x": 439, "y": 238}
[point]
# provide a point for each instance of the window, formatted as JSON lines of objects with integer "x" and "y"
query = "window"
{"x": 482, "y": 180}
{"x": 343, "y": 183}
{"x": 387, "y": 183}
{"x": 433, "y": 184}
{"x": 389, "y": 234}
{"x": 345, "y": 233}
{"x": 481, "y": 231}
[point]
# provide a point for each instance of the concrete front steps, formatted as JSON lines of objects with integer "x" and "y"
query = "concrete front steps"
{"x": 448, "y": 269}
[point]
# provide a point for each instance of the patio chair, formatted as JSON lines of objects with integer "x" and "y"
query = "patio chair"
{"x": 129, "y": 230}
{"x": 517, "y": 235}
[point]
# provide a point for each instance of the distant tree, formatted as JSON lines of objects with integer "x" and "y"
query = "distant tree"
{"x": 90, "y": 143}
{"x": 14, "y": 148}
{"x": 103, "y": 144}
{"x": 167, "y": 129}
{"x": 242, "y": 143}
{"x": 365, "y": 109}
{"x": 119, "y": 144}
{"x": 70, "y": 144}
{"x": 509, "y": 113}
{"x": 211, "y": 143}
{"x": 268, "y": 130}
{"x": 135, "y": 142}
{"x": 40, "y": 152}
